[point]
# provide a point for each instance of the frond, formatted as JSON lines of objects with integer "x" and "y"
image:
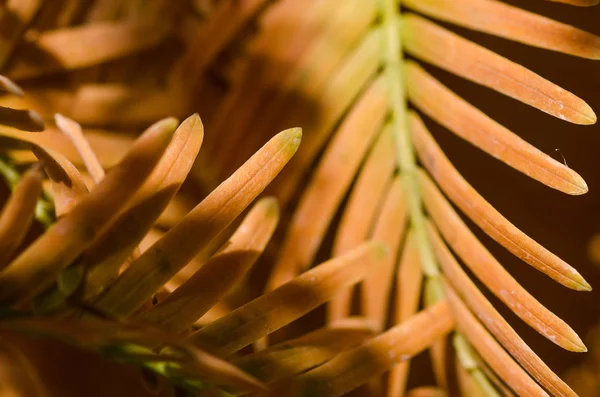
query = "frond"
{"x": 128, "y": 267}
{"x": 74, "y": 268}
{"x": 361, "y": 138}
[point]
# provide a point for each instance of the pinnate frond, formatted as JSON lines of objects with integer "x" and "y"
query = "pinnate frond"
{"x": 124, "y": 249}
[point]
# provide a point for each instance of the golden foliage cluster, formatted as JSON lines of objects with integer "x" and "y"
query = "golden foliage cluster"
{"x": 363, "y": 216}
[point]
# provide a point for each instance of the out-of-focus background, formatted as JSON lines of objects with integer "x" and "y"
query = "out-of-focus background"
{"x": 166, "y": 60}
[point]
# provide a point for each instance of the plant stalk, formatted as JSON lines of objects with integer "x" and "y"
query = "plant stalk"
{"x": 407, "y": 165}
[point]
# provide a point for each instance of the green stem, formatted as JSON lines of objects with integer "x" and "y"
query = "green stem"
{"x": 407, "y": 162}
{"x": 467, "y": 359}
{"x": 130, "y": 353}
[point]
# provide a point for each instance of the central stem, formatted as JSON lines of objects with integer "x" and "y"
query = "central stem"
{"x": 407, "y": 164}
{"x": 406, "y": 159}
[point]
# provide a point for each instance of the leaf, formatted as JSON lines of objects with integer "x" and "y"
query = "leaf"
{"x": 409, "y": 281}
{"x": 487, "y": 217}
{"x": 442, "y": 48}
{"x": 308, "y": 351}
{"x": 128, "y": 341}
{"x": 73, "y": 131}
{"x": 208, "y": 368}
{"x": 494, "y": 322}
{"x": 181, "y": 243}
{"x": 68, "y": 186}
{"x": 27, "y": 120}
{"x": 492, "y": 274}
{"x": 365, "y": 198}
{"x": 389, "y": 228}
{"x": 360, "y": 212}
{"x": 219, "y": 275}
{"x": 467, "y": 384}
{"x": 438, "y": 353}
{"x": 473, "y": 376}
{"x": 90, "y": 333}
{"x": 18, "y": 213}
{"x": 500, "y": 19}
{"x": 86, "y": 45}
{"x": 472, "y": 125}
{"x": 7, "y": 85}
{"x": 317, "y": 62}
{"x": 354, "y": 74}
{"x": 290, "y": 301}
{"x": 109, "y": 147}
{"x": 105, "y": 257}
{"x": 108, "y": 254}
{"x": 328, "y": 186}
{"x": 281, "y": 47}
{"x": 116, "y": 104}
{"x": 18, "y": 16}
{"x": 426, "y": 391}
{"x": 174, "y": 165}
{"x": 357, "y": 366}
{"x": 67, "y": 183}
{"x": 39, "y": 265}
{"x": 491, "y": 351}
{"x": 212, "y": 36}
